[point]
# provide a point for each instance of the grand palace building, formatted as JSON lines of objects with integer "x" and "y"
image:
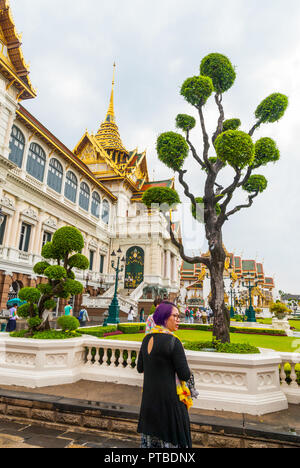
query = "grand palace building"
{"x": 97, "y": 188}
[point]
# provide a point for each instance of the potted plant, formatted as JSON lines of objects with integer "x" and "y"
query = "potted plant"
{"x": 279, "y": 309}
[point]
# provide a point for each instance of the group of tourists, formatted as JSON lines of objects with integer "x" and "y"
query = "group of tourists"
{"x": 200, "y": 315}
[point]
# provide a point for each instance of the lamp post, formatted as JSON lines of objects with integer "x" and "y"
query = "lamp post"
{"x": 232, "y": 294}
{"x": 250, "y": 312}
{"x": 114, "y": 308}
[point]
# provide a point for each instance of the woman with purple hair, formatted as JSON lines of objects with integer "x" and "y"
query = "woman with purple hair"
{"x": 164, "y": 420}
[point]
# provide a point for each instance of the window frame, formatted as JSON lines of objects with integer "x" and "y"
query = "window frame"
{"x": 55, "y": 175}
{"x": 68, "y": 186}
{"x": 3, "y": 228}
{"x": 83, "y": 196}
{"x": 105, "y": 203}
{"x": 33, "y": 162}
{"x": 25, "y": 236}
{"x": 18, "y": 160}
{"x": 93, "y": 204}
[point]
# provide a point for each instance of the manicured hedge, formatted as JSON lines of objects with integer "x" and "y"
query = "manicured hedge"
{"x": 131, "y": 328}
{"x": 232, "y": 348}
{"x": 253, "y": 331}
{"x": 98, "y": 332}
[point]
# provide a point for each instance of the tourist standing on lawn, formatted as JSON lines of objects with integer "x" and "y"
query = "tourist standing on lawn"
{"x": 68, "y": 309}
{"x": 130, "y": 315}
{"x": 187, "y": 315}
{"x": 192, "y": 315}
{"x": 142, "y": 315}
{"x": 164, "y": 420}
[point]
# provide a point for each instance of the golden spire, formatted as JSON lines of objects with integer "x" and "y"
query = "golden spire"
{"x": 110, "y": 116}
{"x": 108, "y": 134}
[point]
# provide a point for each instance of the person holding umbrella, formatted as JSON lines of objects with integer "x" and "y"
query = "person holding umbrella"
{"x": 12, "y": 324}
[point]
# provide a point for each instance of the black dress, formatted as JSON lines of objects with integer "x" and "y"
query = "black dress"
{"x": 162, "y": 414}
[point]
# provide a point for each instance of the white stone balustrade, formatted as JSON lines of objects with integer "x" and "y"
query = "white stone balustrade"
{"x": 229, "y": 382}
{"x": 288, "y": 376}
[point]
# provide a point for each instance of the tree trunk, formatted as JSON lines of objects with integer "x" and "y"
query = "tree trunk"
{"x": 217, "y": 302}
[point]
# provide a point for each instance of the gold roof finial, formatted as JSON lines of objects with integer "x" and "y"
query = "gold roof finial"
{"x": 108, "y": 134}
{"x": 110, "y": 116}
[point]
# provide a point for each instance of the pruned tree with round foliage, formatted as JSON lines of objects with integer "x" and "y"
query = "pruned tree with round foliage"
{"x": 185, "y": 122}
{"x": 161, "y": 196}
{"x": 231, "y": 124}
{"x": 64, "y": 254}
{"x": 235, "y": 150}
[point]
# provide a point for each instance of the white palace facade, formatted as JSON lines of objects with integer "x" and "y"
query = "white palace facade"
{"x": 97, "y": 188}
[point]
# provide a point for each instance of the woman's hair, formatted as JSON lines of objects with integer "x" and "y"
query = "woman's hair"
{"x": 163, "y": 312}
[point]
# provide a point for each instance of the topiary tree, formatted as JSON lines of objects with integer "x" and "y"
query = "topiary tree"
{"x": 65, "y": 250}
{"x": 234, "y": 149}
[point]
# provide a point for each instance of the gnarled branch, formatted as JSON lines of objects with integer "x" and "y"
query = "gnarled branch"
{"x": 194, "y": 152}
{"x": 218, "y": 99}
{"x": 239, "y": 207}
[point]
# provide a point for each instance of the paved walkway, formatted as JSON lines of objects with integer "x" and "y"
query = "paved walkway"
{"x": 287, "y": 421}
{"x": 16, "y": 435}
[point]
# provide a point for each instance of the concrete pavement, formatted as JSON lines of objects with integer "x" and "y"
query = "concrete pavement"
{"x": 283, "y": 425}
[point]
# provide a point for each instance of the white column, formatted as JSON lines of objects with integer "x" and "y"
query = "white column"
{"x": 168, "y": 264}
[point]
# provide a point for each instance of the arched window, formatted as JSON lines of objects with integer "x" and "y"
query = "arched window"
{"x": 36, "y": 162}
{"x": 16, "y": 145}
{"x": 71, "y": 187}
{"x": 96, "y": 204}
{"x": 84, "y": 196}
{"x": 105, "y": 212}
{"x": 55, "y": 175}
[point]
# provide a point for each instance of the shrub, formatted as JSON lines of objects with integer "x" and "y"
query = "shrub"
{"x": 172, "y": 150}
{"x": 129, "y": 329}
{"x": 99, "y": 332}
{"x": 232, "y": 348}
{"x": 34, "y": 322}
{"x": 78, "y": 261}
{"x": 236, "y": 148}
{"x": 272, "y": 108}
{"x": 256, "y": 183}
{"x": 55, "y": 272}
{"x": 161, "y": 196}
{"x": 231, "y": 124}
{"x": 197, "y": 90}
{"x": 185, "y": 122}
{"x": 265, "y": 151}
{"x": 29, "y": 295}
{"x": 279, "y": 309}
{"x": 68, "y": 323}
{"x": 219, "y": 68}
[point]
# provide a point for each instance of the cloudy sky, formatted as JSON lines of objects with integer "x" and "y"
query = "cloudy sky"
{"x": 71, "y": 46}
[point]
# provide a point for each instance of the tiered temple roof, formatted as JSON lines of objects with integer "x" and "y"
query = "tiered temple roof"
{"x": 12, "y": 63}
{"x": 109, "y": 160}
{"x": 235, "y": 266}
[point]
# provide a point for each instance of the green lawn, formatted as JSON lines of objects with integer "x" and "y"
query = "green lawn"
{"x": 278, "y": 343}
